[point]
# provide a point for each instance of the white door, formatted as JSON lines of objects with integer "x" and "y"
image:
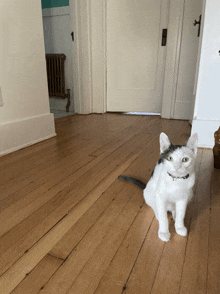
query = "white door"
{"x": 57, "y": 39}
{"x": 135, "y": 57}
{"x": 184, "y": 102}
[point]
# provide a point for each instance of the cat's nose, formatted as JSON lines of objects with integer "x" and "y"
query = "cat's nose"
{"x": 177, "y": 167}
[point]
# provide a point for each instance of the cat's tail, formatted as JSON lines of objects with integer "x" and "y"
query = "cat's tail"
{"x": 134, "y": 181}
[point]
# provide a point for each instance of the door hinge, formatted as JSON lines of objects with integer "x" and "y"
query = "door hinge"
{"x": 199, "y": 23}
{"x": 164, "y": 37}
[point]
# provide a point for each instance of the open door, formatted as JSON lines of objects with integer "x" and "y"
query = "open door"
{"x": 191, "y": 34}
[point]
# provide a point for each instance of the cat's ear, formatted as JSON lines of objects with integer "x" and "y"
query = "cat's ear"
{"x": 164, "y": 142}
{"x": 192, "y": 143}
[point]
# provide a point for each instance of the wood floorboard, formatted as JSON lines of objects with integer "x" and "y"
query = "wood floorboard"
{"x": 213, "y": 279}
{"x": 73, "y": 150}
{"x": 44, "y": 169}
{"x": 44, "y": 183}
{"x": 66, "y": 139}
{"x": 80, "y": 187}
{"x": 70, "y": 226}
{"x": 29, "y": 162}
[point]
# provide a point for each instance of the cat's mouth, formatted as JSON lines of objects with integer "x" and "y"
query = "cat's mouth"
{"x": 179, "y": 176}
{"x": 176, "y": 173}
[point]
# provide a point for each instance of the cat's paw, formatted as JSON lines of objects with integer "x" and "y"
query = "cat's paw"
{"x": 164, "y": 236}
{"x": 181, "y": 231}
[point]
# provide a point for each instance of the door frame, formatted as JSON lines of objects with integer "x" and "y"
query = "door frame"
{"x": 89, "y": 55}
{"x": 90, "y": 66}
{"x": 172, "y": 59}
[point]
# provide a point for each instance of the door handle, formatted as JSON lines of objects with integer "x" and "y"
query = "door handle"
{"x": 199, "y": 23}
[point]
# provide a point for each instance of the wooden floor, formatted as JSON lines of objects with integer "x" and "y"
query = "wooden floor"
{"x": 68, "y": 225}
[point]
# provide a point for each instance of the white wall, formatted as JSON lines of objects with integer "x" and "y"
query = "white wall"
{"x": 25, "y": 115}
{"x": 207, "y": 105}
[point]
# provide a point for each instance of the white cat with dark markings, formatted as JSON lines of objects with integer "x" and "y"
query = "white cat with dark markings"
{"x": 171, "y": 183}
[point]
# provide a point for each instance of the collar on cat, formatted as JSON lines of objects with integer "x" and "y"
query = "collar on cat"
{"x": 186, "y": 177}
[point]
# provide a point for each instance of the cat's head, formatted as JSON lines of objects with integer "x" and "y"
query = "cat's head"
{"x": 178, "y": 159}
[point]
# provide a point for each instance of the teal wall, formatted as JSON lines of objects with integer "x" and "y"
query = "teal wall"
{"x": 54, "y": 3}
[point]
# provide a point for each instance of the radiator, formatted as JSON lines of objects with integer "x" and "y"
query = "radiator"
{"x": 56, "y": 77}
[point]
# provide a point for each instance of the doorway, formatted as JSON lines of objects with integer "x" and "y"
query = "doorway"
{"x": 92, "y": 69}
{"x": 57, "y": 40}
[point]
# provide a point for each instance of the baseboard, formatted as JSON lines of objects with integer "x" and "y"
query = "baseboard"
{"x": 21, "y": 133}
{"x": 60, "y": 104}
{"x": 183, "y": 110}
{"x": 205, "y": 130}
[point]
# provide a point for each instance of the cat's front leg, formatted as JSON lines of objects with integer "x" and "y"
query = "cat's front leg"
{"x": 163, "y": 232}
{"x": 180, "y": 214}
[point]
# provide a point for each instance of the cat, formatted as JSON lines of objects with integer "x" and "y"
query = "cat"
{"x": 171, "y": 183}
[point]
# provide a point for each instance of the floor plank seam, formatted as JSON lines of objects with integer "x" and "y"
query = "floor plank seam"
{"x": 52, "y": 187}
{"x": 158, "y": 265}
{"x": 127, "y": 128}
{"x": 75, "y": 247}
{"x": 32, "y": 168}
{"x": 57, "y": 257}
{"x": 124, "y": 186}
{"x": 118, "y": 248}
{"x": 94, "y": 222}
{"x": 32, "y": 182}
{"x": 42, "y": 287}
{"x": 27, "y": 250}
{"x": 126, "y": 283}
{"x": 115, "y": 169}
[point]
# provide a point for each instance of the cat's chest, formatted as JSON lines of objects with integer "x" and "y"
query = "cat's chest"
{"x": 170, "y": 184}
{"x": 176, "y": 186}
{"x": 174, "y": 189}
{"x": 165, "y": 183}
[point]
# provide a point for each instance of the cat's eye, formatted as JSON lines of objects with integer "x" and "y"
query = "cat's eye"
{"x": 169, "y": 158}
{"x": 185, "y": 159}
